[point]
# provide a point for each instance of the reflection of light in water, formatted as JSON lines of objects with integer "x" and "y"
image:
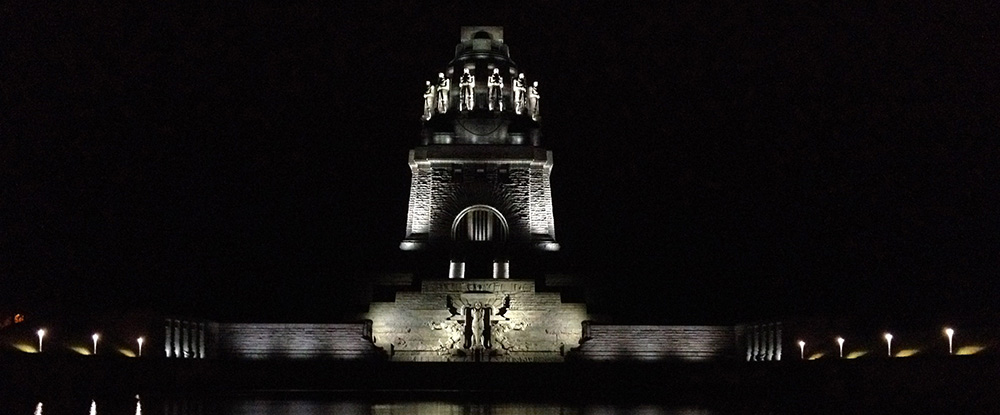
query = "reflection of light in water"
{"x": 93, "y": 407}
{"x": 138, "y": 407}
{"x": 38, "y": 409}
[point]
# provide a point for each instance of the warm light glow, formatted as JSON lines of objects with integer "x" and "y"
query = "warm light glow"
{"x": 907, "y": 352}
{"x": 969, "y": 350}
{"x": 41, "y": 334}
{"x": 816, "y": 356}
{"x": 126, "y": 352}
{"x": 95, "y": 337}
{"x": 888, "y": 342}
{"x": 857, "y": 354}
{"x": 27, "y": 348}
{"x": 140, "y": 340}
{"x": 840, "y": 342}
{"x": 81, "y": 350}
{"x": 802, "y": 349}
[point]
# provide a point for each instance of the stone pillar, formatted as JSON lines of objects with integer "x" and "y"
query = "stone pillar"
{"x": 185, "y": 339}
{"x": 456, "y": 270}
{"x": 777, "y": 335}
{"x": 177, "y": 338}
{"x": 201, "y": 340}
{"x": 769, "y": 332}
{"x": 501, "y": 269}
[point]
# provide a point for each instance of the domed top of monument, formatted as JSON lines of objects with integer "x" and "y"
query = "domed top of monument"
{"x": 481, "y": 97}
{"x": 482, "y": 43}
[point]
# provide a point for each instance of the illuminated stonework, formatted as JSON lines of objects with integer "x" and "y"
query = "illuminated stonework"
{"x": 480, "y": 148}
{"x": 477, "y": 320}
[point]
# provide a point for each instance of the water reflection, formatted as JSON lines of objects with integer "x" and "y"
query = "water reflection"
{"x": 312, "y": 407}
{"x": 258, "y": 406}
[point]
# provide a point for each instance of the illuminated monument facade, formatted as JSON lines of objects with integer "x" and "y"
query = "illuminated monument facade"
{"x": 479, "y": 213}
{"x": 480, "y": 189}
{"x": 480, "y": 200}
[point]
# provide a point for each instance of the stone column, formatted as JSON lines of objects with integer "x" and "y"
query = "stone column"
{"x": 456, "y": 270}
{"x": 168, "y": 337}
{"x": 501, "y": 269}
{"x": 177, "y": 338}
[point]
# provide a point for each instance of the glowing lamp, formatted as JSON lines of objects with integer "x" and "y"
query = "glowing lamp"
{"x": 840, "y": 342}
{"x": 140, "y": 340}
{"x": 950, "y": 333}
{"x": 888, "y": 342}
{"x": 41, "y": 334}
{"x": 95, "y": 337}
{"x": 802, "y": 349}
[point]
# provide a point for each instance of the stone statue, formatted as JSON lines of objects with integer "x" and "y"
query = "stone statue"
{"x": 495, "y": 83}
{"x": 467, "y": 83}
{"x": 429, "y": 97}
{"x": 443, "y": 87}
{"x": 478, "y": 326}
{"x": 533, "y": 100}
{"x": 479, "y": 315}
{"x": 517, "y": 87}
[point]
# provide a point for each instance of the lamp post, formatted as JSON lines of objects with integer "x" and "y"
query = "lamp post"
{"x": 950, "y": 334}
{"x": 41, "y": 333}
{"x": 840, "y": 342}
{"x": 802, "y": 349}
{"x": 95, "y": 337}
{"x": 888, "y": 341}
{"x": 140, "y": 340}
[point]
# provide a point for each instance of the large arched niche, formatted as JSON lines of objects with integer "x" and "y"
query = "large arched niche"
{"x": 476, "y": 231}
{"x": 463, "y": 217}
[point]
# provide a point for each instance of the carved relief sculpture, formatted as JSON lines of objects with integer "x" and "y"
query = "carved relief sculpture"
{"x": 495, "y": 83}
{"x": 429, "y": 97}
{"x": 467, "y": 99}
{"x": 533, "y": 100}
{"x": 443, "y": 87}
{"x": 517, "y": 87}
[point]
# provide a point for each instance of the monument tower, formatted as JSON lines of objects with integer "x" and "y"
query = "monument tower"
{"x": 480, "y": 191}
{"x": 479, "y": 201}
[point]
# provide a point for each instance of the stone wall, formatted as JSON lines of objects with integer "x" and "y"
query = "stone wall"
{"x": 514, "y": 180}
{"x": 347, "y": 341}
{"x": 656, "y": 343}
{"x": 433, "y": 323}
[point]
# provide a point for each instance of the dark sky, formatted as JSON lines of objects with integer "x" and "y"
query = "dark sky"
{"x": 713, "y": 163}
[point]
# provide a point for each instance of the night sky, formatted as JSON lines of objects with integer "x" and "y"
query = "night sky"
{"x": 713, "y": 163}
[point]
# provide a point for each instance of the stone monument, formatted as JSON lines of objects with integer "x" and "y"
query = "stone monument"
{"x": 480, "y": 200}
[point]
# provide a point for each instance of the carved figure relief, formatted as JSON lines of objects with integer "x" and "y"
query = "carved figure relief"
{"x": 495, "y": 83}
{"x": 443, "y": 87}
{"x": 477, "y": 319}
{"x": 467, "y": 98}
{"x": 533, "y": 100}
{"x": 517, "y": 87}
{"x": 429, "y": 97}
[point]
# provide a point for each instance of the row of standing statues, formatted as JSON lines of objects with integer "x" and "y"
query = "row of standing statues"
{"x": 524, "y": 99}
